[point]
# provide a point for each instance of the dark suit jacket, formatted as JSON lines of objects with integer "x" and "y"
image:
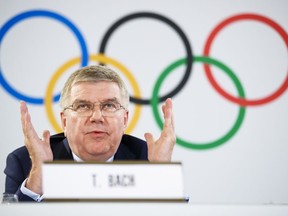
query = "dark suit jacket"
{"x": 18, "y": 163}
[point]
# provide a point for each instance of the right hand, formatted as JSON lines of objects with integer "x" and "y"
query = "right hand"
{"x": 39, "y": 150}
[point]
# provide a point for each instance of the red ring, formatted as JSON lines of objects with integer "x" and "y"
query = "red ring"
{"x": 242, "y": 101}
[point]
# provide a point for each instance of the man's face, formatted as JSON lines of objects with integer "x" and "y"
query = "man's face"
{"x": 96, "y": 137}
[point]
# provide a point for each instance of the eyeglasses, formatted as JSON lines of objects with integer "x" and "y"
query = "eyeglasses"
{"x": 86, "y": 108}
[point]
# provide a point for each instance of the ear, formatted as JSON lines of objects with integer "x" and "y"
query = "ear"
{"x": 126, "y": 117}
{"x": 63, "y": 121}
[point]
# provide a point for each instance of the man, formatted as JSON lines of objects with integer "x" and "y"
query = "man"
{"x": 94, "y": 116}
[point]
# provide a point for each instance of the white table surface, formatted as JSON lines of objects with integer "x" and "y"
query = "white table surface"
{"x": 141, "y": 209}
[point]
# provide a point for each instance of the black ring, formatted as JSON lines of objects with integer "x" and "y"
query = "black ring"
{"x": 176, "y": 28}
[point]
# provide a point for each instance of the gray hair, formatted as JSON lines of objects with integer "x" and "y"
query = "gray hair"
{"x": 93, "y": 73}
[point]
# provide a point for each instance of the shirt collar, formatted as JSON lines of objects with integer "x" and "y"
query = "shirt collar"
{"x": 77, "y": 159}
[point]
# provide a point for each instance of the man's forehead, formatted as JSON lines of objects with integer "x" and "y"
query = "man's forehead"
{"x": 99, "y": 91}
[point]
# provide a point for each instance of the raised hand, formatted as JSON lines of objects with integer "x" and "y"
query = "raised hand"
{"x": 161, "y": 149}
{"x": 39, "y": 149}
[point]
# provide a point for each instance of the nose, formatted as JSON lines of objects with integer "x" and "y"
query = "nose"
{"x": 96, "y": 113}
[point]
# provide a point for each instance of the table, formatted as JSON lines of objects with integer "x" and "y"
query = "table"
{"x": 141, "y": 209}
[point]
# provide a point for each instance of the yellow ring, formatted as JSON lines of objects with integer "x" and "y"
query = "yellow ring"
{"x": 48, "y": 100}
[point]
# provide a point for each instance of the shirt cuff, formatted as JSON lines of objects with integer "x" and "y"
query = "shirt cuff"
{"x": 30, "y": 193}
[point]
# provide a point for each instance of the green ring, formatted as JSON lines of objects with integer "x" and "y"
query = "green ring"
{"x": 228, "y": 71}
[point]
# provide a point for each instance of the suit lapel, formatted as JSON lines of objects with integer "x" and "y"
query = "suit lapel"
{"x": 61, "y": 151}
{"x": 124, "y": 153}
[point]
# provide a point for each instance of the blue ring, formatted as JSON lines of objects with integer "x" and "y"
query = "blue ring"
{"x": 51, "y": 15}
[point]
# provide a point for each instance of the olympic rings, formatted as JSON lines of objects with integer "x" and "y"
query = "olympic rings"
{"x": 99, "y": 58}
{"x": 242, "y": 101}
{"x": 188, "y": 60}
{"x": 236, "y": 81}
{"x": 179, "y": 32}
{"x": 10, "y": 23}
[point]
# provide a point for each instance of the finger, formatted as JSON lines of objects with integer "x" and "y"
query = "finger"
{"x": 23, "y": 113}
{"x": 46, "y": 136}
{"x": 27, "y": 127}
{"x": 168, "y": 115}
{"x": 149, "y": 139}
{"x": 167, "y": 109}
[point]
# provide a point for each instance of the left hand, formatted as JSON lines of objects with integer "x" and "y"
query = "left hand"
{"x": 161, "y": 150}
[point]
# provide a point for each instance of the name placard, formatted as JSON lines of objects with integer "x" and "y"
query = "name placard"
{"x": 116, "y": 180}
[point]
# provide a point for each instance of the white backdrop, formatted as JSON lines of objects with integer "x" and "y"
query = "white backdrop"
{"x": 250, "y": 166}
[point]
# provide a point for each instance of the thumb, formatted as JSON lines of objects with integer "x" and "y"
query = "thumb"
{"x": 149, "y": 139}
{"x": 46, "y": 136}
